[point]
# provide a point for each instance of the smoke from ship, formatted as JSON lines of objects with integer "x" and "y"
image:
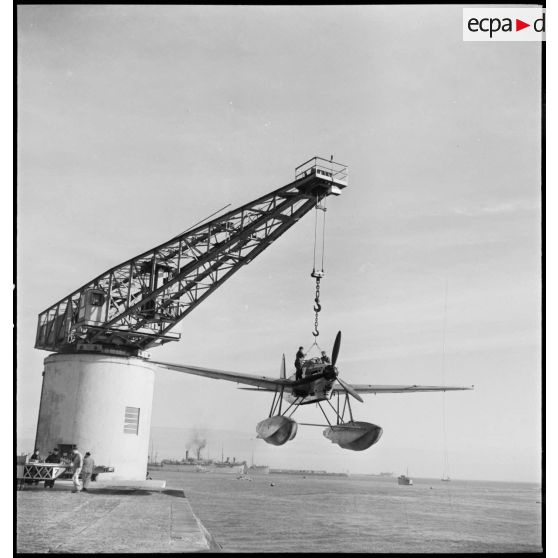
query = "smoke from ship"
{"x": 195, "y": 444}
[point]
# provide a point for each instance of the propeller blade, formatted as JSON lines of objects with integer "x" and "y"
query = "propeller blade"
{"x": 349, "y": 389}
{"x": 336, "y": 346}
{"x": 282, "y": 373}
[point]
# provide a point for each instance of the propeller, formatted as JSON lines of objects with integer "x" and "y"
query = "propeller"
{"x": 349, "y": 389}
{"x": 334, "y": 354}
{"x": 336, "y": 345}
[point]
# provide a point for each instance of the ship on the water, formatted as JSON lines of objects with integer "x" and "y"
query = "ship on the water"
{"x": 405, "y": 479}
{"x": 200, "y": 465}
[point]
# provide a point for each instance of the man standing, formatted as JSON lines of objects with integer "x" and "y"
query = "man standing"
{"x": 87, "y": 471}
{"x": 35, "y": 457}
{"x": 77, "y": 464}
{"x": 298, "y": 363}
{"x": 54, "y": 457}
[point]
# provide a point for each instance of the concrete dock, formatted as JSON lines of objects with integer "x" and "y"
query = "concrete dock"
{"x": 117, "y": 518}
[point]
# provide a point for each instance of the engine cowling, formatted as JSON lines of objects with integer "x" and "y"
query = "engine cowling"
{"x": 277, "y": 430}
{"x": 356, "y": 436}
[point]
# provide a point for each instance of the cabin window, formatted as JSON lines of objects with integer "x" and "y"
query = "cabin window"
{"x": 97, "y": 299}
{"x": 131, "y": 420}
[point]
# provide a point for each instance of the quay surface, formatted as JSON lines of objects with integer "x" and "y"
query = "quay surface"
{"x": 108, "y": 518}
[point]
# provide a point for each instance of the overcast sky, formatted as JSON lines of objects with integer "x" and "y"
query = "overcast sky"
{"x": 137, "y": 121}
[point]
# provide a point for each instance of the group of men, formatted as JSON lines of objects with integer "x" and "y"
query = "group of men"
{"x": 84, "y": 465}
{"x": 299, "y": 360}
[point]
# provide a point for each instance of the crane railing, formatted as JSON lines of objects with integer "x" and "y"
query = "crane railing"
{"x": 336, "y": 172}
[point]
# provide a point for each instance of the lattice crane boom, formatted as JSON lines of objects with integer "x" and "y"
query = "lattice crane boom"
{"x": 134, "y": 305}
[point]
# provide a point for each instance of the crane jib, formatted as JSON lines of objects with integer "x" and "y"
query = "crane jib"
{"x": 135, "y": 305}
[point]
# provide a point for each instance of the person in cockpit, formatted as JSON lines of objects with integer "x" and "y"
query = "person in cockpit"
{"x": 325, "y": 358}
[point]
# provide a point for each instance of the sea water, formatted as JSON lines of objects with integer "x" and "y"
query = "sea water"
{"x": 311, "y": 513}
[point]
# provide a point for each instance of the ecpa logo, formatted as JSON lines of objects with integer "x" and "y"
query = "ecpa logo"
{"x": 504, "y": 24}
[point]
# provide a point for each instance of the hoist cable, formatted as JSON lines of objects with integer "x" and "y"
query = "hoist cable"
{"x": 315, "y": 233}
{"x": 312, "y": 346}
{"x": 318, "y": 274}
{"x": 323, "y": 234}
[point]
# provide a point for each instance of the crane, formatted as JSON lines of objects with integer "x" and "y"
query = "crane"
{"x": 135, "y": 305}
{"x": 98, "y": 385}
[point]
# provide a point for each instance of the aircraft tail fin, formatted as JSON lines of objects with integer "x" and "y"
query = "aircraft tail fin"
{"x": 283, "y": 373}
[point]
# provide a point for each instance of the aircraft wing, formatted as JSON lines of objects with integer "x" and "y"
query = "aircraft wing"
{"x": 259, "y": 381}
{"x": 370, "y": 388}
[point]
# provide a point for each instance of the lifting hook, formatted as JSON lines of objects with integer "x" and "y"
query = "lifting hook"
{"x": 317, "y": 306}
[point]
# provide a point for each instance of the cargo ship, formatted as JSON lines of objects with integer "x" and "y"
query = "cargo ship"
{"x": 200, "y": 465}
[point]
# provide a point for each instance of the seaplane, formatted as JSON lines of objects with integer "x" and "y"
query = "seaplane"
{"x": 320, "y": 384}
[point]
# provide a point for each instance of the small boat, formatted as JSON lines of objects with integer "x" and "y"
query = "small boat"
{"x": 405, "y": 479}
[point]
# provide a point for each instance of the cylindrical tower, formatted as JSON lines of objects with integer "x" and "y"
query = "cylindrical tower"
{"x": 102, "y": 404}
